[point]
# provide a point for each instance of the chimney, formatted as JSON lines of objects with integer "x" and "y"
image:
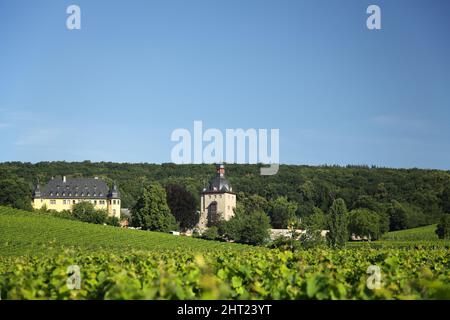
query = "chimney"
{"x": 64, "y": 179}
{"x": 220, "y": 169}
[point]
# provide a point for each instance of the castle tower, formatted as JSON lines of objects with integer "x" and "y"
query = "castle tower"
{"x": 217, "y": 200}
{"x": 114, "y": 202}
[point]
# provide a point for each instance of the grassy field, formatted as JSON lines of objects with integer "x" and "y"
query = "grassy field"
{"x": 410, "y": 238}
{"x": 26, "y": 233}
{"x": 417, "y": 234}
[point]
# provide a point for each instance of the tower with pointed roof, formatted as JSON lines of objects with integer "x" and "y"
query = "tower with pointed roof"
{"x": 218, "y": 200}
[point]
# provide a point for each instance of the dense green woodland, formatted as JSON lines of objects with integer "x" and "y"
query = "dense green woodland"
{"x": 415, "y": 196}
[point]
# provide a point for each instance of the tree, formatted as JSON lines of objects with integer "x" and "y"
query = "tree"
{"x": 315, "y": 221}
{"x": 398, "y": 218}
{"x": 151, "y": 211}
{"x": 15, "y": 192}
{"x": 337, "y": 224}
{"x": 282, "y": 212}
{"x": 443, "y": 228}
{"x": 85, "y": 211}
{"x": 246, "y": 227}
{"x": 253, "y": 202}
{"x": 445, "y": 199}
{"x": 364, "y": 223}
{"x": 183, "y": 206}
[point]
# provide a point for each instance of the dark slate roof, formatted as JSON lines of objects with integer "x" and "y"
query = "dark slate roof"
{"x": 88, "y": 188}
{"x": 219, "y": 184}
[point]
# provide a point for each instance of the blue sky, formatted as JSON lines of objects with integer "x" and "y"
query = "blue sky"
{"x": 137, "y": 70}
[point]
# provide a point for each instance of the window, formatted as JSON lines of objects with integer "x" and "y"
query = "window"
{"x": 74, "y": 202}
{"x": 95, "y": 201}
{"x": 52, "y": 201}
{"x": 102, "y": 201}
{"x": 114, "y": 211}
{"x": 64, "y": 201}
{"x": 114, "y": 201}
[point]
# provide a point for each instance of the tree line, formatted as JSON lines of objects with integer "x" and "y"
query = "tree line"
{"x": 377, "y": 200}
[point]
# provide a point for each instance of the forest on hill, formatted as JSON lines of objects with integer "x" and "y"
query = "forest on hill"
{"x": 422, "y": 195}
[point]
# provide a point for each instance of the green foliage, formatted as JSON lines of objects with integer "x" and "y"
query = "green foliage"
{"x": 152, "y": 212}
{"x": 427, "y": 191}
{"x": 112, "y": 221}
{"x": 315, "y": 221}
{"x": 397, "y": 216}
{"x": 15, "y": 192}
{"x": 443, "y": 228}
{"x": 246, "y": 227}
{"x": 445, "y": 199}
{"x": 115, "y": 263}
{"x": 426, "y": 233}
{"x": 337, "y": 224}
{"x": 183, "y": 206}
{"x": 85, "y": 211}
{"x": 281, "y": 212}
{"x": 364, "y": 223}
{"x": 212, "y": 233}
{"x": 182, "y": 274}
{"x": 253, "y": 202}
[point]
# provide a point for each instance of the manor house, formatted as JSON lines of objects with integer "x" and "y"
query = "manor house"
{"x": 62, "y": 193}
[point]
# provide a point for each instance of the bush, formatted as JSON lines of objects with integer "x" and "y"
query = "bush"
{"x": 212, "y": 233}
{"x": 85, "y": 211}
{"x": 112, "y": 221}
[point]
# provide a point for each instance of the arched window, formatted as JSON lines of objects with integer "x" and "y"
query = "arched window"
{"x": 213, "y": 217}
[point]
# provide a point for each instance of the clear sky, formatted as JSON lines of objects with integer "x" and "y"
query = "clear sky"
{"x": 137, "y": 70}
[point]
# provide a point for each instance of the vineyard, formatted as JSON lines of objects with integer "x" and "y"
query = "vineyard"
{"x": 36, "y": 252}
{"x": 225, "y": 274}
{"x": 25, "y": 233}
